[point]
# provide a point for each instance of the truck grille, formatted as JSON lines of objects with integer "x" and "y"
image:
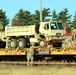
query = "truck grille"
{"x": 58, "y": 34}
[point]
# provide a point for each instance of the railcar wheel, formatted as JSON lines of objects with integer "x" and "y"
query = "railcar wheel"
{"x": 13, "y": 43}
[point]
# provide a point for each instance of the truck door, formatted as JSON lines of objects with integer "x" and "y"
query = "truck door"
{"x": 46, "y": 28}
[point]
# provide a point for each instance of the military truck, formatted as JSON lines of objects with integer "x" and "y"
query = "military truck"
{"x": 43, "y": 34}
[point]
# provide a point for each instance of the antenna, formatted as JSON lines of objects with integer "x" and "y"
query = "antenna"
{"x": 40, "y": 10}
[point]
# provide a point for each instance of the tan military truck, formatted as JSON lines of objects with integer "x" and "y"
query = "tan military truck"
{"x": 43, "y": 34}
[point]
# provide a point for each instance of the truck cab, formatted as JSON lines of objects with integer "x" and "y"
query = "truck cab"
{"x": 53, "y": 29}
{"x": 53, "y": 32}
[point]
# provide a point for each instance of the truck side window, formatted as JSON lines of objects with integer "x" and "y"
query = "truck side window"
{"x": 46, "y": 26}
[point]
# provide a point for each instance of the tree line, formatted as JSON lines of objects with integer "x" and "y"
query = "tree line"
{"x": 25, "y": 17}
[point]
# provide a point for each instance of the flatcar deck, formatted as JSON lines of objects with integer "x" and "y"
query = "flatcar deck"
{"x": 39, "y": 51}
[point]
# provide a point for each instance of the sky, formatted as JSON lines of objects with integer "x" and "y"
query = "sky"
{"x": 11, "y": 7}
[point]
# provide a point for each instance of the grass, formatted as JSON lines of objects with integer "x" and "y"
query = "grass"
{"x": 37, "y": 70}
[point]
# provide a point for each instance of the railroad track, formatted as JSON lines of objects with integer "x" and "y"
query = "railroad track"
{"x": 38, "y": 63}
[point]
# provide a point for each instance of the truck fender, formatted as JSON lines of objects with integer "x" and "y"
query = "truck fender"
{"x": 37, "y": 28}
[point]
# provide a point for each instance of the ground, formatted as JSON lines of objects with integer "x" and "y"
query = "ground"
{"x": 37, "y": 70}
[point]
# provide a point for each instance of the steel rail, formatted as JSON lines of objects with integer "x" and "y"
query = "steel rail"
{"x": 37, "y": 63}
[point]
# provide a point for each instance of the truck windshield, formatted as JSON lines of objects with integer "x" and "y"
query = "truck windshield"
{"x": 60, "y": 26}
{"x": 53, "y": 26}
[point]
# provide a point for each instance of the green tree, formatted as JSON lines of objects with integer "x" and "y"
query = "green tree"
{"x": 64, "y": 16}
{"x": 35, "y": 17}
{"x": 74, "y": 21}
{"x": 54, "y": 15}
{"x": 45, "y": 16}
{"x": 22, "y": 18}
{"x": 3, "y": 18}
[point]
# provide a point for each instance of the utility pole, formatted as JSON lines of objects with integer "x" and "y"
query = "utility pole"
{"x": 40, "y": 10}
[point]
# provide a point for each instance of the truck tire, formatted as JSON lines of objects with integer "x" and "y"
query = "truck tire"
{"x": 37, "y": 28}
{"x": 27, "y": 42}
{"x": 22, "y": 43}
{"x": 41, "y": 43}
{"x": 13, "y": 43}
{"x": 2, "y": 44}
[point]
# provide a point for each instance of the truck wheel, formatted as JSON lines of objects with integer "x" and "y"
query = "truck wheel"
{"x": 13, "y": 43}
{"x": 22, "y": 43}
{"x": 41, "y": 43}
{"x": 4, "y": 45}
